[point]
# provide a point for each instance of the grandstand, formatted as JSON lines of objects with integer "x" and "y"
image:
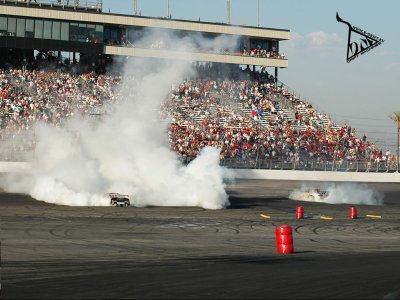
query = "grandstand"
{"x": 249, "y": 114}
{"x": 63, "y": 26}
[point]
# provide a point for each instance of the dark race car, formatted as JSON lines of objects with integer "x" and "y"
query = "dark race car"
{"x": 117, "y": 199}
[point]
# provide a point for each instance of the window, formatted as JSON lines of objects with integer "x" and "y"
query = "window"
{"x": 12, "y": 26}
{"x": 114, "y": 36}
{"x": 56, "y": 30}
{"x": 38, "y": 29}
{"x": 64, "y": 31}
{"x": 107, "y": 35}
{"x": 29, "y": 28}
{"x": 47, "y": 30}
{"x": 255, "y": 43}
{"x": 82, "y": 33}
{"x": 20, "y": 27}
{"x": 99, "y": 33}
{"x": 3, "y": 26}
{"x": 73, "y": 31}
{"x": 241, "y": 45}
{"x": 90, "y": 32}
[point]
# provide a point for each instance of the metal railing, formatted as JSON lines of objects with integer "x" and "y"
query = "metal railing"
{"x": 76, "y": 4}
{"x": 12, "y": 154}
{"x": 286, "y": 103}
{"x": 19, "y": 145}
{"x": 306, "y": 164}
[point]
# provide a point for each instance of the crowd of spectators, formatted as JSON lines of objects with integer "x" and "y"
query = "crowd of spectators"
{"x": 28, "y": 96}
{"x": 240, "y": 135}
{"x": 202, "y": 112}
{"x": 266, "y": 53}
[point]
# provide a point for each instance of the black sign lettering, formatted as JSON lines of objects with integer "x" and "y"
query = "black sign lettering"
{"x": 359, "y": 41}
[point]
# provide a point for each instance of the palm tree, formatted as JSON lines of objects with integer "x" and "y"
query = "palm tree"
{"x": 396, "y": 118}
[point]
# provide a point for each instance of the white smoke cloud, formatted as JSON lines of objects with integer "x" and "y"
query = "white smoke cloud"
{"x": 343, "y": 193}
{"x": 126, "y": 152}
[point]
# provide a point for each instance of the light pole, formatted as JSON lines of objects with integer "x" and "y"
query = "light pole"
{"x": 258, "y": 13}
{"x": 228, "y": 11}
{"x": 396, "y": 118}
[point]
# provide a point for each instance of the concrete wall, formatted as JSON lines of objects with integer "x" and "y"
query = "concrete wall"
{"x": 6, "y": 167}
{"x": 317, "y": 175}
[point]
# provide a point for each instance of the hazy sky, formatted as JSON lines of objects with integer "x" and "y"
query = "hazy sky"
{"x": 362, "y": 93}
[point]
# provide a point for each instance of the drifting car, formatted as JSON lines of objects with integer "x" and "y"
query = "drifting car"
{"x": 310, "y": 195}
{"x": 316, "y": 194}
{"x": 117, "y": 199}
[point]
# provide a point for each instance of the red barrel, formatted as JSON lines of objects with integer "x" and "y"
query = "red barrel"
{"x": 284, "y": 239}
{"x": 299, "y": 212}
{"x": 353, "y": 213}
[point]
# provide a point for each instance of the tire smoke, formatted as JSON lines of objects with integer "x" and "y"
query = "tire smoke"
{"x": 127, "y": 152}
{"x": 343, "y": 193}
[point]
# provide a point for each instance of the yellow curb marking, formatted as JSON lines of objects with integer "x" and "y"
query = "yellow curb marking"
{"x": 265, "y": 216}
{"x": 373, "y": 216}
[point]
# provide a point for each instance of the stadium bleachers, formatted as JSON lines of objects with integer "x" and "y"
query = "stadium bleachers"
{"x": 246, "y": 119}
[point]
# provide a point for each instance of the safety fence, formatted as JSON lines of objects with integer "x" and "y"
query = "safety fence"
{"x": 308, "y": 164}
{"x": 19, "y": 154}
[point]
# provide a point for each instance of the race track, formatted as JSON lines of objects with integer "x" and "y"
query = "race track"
{"x": 61, "y": 252}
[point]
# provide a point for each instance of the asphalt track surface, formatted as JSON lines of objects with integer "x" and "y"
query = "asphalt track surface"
{"x": 62, "y": 252}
